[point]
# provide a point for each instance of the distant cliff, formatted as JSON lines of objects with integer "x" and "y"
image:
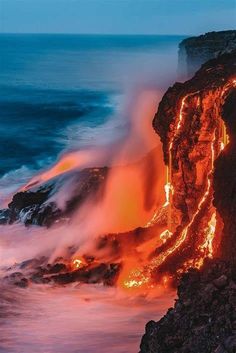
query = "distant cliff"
{"x": 195, "y": 51}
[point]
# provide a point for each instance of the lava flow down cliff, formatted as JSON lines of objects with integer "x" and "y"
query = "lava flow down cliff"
{"x": 203, "y": 318}
{"x": 192, "y": 124}
{"x": 190, "y": 121}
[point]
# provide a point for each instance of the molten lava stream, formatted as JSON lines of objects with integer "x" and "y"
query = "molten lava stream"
{"x": 128, "y": 187}
{"x": 140, "y": 275}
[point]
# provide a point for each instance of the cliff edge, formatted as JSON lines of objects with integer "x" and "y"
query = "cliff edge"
{"x": 195, "y": 51}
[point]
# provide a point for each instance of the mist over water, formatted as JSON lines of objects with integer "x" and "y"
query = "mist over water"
{"x": 56, "y": 91}
{"x": 76, "y": 319}
{"x": 64, "y": 94}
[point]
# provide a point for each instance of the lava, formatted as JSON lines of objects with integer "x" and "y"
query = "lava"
{"x": 78, "y": 262}
{"x": 181, "y": 223}
{"x": 210, "y": 233}
{"x": 142, "y": 275}
{"x": 180, "y": 120}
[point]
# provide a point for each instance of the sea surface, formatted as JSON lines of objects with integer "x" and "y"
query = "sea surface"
{"x": 62, "y": 93}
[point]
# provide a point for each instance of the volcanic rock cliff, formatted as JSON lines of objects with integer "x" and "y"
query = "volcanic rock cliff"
{"x": 195, "y": 51}
{"x": 201, "y": 152}
{"x": 193, "y": 132}
{"x": 225, "y": 182}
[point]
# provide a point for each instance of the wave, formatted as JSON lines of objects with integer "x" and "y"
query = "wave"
{"x": 36, "y": 125}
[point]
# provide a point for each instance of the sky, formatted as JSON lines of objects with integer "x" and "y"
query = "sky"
{"x": 117, "y": 16}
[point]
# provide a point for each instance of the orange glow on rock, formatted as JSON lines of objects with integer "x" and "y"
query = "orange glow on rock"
{"x": 66, "y": 163}
{"x": 140, "y": 276}
{"x": 137, "y": 193}
{"x": 78, "y": 263}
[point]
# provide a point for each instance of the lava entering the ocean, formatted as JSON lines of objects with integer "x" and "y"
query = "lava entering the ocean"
{"x": 200, "y": 227}
{"x": 149, "y": 221}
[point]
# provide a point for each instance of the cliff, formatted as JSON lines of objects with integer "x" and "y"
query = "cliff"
{"x": 203, "y": 163}
{"x": 195, "y": 51}
{"x": 190, "y": 125}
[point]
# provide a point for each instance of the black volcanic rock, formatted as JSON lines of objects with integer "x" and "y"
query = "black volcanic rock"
{"x": 98, "y": 273}
{"x": 195, "y": 51}
{"x": 225, "y": 182}
{"x": 189, "y": 118}
{"x": 39, "y": 271}
{"x": 17, "y": 279}
{"x": 37, "y": 206}
{"x": 203, "y": 319}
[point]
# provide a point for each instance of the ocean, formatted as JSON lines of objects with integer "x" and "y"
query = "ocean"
{"x": 63, "y": 93}
{"x": 58, "y": 92}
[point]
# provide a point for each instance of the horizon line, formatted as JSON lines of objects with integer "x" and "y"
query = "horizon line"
{"x": 98, "y": 34}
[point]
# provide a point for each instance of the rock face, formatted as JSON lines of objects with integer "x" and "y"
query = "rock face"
{"x": 195, "y": 51}
{"x": 225, "y": 183}
{"x": 204, "y": 316}
{"x": 61, "y": 272}
{"x": 192, "y": 129}
{"x": 203, "y": 319}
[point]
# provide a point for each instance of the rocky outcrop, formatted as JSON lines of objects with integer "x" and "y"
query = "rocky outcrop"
{"x": 61, "y": 272}
{"x": 203, "y": 319}
{"x": 38, "y": 205}
{"x": 195, "y": 51}
{"x": 44, "y": 203}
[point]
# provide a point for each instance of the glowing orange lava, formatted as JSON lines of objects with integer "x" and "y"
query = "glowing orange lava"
{"x": 141, "y": 276}
{"x": 78, "y": 263}
{"x": 65, "y": 164}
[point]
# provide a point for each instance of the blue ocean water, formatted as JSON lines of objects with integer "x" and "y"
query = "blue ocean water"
{"x": 58, "y": 91}
{"x": 62, "y": 92}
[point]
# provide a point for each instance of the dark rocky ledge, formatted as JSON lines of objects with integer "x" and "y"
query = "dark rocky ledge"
{"x": 203, "y": 319}
{"x": 37, "y": 205}
{"x": 195, "y": 51}
{"x": 61, "y": 272}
